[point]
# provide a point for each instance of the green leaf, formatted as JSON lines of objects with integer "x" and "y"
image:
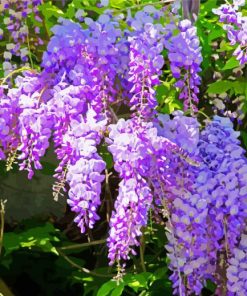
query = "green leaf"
{"x": 105, "y": 289}
{"x": 51, "y": 13}
{"x": 167, "y": 97}
{"x": 244, "y": 137}
{"x": 106, "y": 155}
{"x": 36, "y": 237}
{"x": 137, "y": 281}
{"x": 121, "y": 3}
{"x": 118, "y": 291}
{"x": 215, "y": 33}
{"x": 230, "y": 64}
{"x": 219, "y": 87}
{"x": 211, "y": 286}
{"x": 161, "y": 287}
{"x": 49, "y": 10}
{"x": 239, "y": 87}
{"x": 224, "y": 46}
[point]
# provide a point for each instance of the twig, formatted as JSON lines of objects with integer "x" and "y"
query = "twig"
{"x": 2, "y": 214}
{"x": 85, "y": 270}
{"x": 78, "y": 246}
{"x": 108, "y": 196}
{"x": 17, "y": 71}
{"x": 142, "y": 249}
{"x": 29, "y": 48}
{"x": 114, "y": 115}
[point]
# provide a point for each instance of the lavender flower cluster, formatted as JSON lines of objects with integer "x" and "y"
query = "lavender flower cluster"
{"x": 208, "y": 219}
{"x": 185, "y": 57}
{"x": 15, "y": 16}
{"x": 194, "y": 180}
{"x": 235, "y": 23}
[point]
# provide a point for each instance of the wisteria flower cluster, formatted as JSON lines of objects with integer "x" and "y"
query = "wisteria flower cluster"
{"x": 184, "y": 54}
{"x": 193, "y": 179}
{"x": 15, "y": 17}
{"x": 235, "y": 23}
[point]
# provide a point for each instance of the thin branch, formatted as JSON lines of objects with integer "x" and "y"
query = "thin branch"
{"x": 83, "y": 245}
{"x": 29, "y": 48}
{"x": 142, "y": 250}
{"x": 2, "y": 214}
{"x": 85, "y": 270}
{"x": 17, "y": 71}
{"x": 108, "y": 196}
{"x": 114, "y": 115}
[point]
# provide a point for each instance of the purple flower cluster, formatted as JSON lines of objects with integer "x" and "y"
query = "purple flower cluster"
{"x": 220, "y": 150}
{"x": 145, "y": 66}
{"x": 82, "y": 58}
{"x": 184, "y": 53}
{"x": 182, "y": 130}
{"x": 84, "y": 169}
{"x": 131, "y": 150}
{"x": 235, "y": 23}
{"x": 187, "y": 209}
{"x": 207, "y": 202}
{"x": 35, "y": 123}
{"x": 142, "y": 158}
{"x": 8, "y": 112}
{"x": 224, "y": 188}
{"x": 27, "y": 125}
{"x": 15, "y": 20}
{"x": 237, "y": 269}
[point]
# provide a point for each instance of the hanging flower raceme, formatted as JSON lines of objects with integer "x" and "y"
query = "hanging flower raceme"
{"x": 145, "y": 66}
{"x": 34, "y": 123}
{"x": 79, "y": 59}
{"x": 226, "y": 187}
{"x": 131, "y": 150}
{"x": 134, "y": 142}
{"x": 184, "y": 53}
{"x": 84, "y": 168}
{"x": 235, "y": 23}
{"x": 15, "y": 15}
{"x": 8, "y": 117}
{"x": 237, "y": 269}
{"x": 187, "y": 209}
{"x": 27, "y": 122}
{"x": 82, "y": 57}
